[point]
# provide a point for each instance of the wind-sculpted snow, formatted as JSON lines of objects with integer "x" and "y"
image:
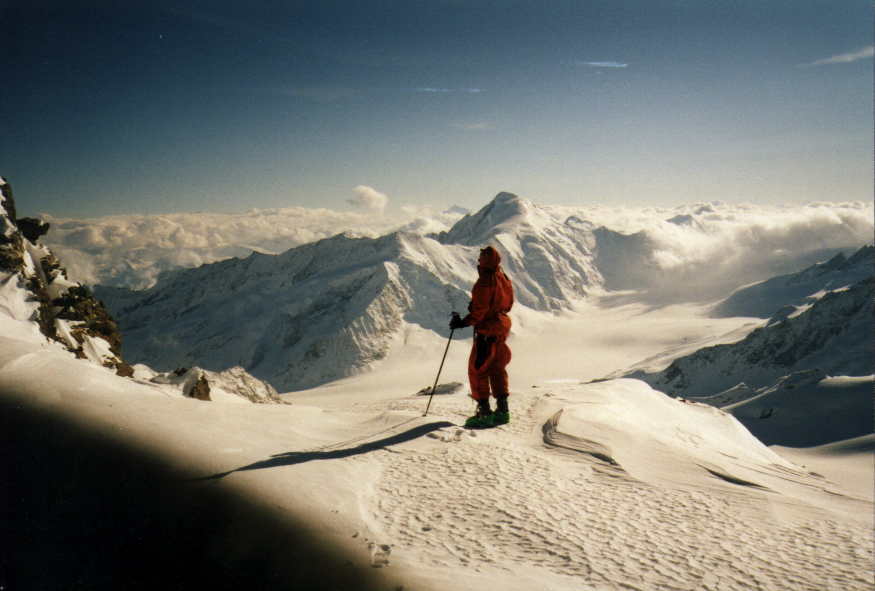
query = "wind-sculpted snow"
{"x": 607, "y": 485}
{"x": 630, "y": 490}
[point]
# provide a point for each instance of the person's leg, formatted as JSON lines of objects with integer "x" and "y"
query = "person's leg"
{"x": 478, "y": 377}
{"x": 498, "y": 381}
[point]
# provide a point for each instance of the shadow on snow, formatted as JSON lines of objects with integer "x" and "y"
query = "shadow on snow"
{"x": 290, "y": 458}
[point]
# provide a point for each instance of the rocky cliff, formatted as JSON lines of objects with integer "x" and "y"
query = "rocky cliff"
{"x": 66, "y": 312}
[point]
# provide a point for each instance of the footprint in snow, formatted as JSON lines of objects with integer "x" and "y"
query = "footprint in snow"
{"x": 379, "y": 554}
{"x": 454, "y": 437}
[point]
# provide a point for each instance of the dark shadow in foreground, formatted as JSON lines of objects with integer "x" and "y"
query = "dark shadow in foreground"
{"x": 87, "y": 510}
{"x": 290, "y": 458}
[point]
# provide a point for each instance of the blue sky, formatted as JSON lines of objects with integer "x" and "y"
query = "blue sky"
{"x": 151, "y": 107}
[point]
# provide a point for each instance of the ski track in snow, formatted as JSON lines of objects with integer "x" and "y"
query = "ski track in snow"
{"x": 476, "y": 501}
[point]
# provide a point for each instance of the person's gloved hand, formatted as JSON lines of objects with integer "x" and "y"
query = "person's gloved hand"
{"x": 456, "y": 322}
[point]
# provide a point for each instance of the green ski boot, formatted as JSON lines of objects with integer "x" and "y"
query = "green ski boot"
{"x": 483, "y": 418}
{"x": 501, "y": 416}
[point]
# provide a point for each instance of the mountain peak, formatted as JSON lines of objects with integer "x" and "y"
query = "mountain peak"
{"x": 505, "y": 209}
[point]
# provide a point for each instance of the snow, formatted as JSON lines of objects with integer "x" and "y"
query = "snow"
{"x": 809, "y": 411}
{"x": 848, "y": 463}
{"x": 605, "y": 485}
{"x": 595, "y": 483}
{"x": 17, "y": 309}
{"x": 832, "y": 336}
{"x": 799, "y": 290}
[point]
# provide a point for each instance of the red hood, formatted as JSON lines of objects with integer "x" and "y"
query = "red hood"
{"x": 489, "y": 259}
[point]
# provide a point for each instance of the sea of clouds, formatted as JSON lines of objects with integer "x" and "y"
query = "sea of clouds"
{"x": 717, "y": 244}
{"x": 132, "y": 250}
{"x": 703, "y": 251}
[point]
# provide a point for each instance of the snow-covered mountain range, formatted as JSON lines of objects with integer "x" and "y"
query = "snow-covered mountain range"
{"x": 333, "y": 308}
{"x": 830, "y": 333}
{"x": 791, "y": 291}
{"x": 804, "y": 377}
{"x": 623, "y": 486}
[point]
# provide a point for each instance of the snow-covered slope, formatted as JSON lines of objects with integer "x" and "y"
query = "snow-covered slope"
{"x": 317, "y": 312}
{"x": 42, "y": 309}
{"x": 796, "y": 290}
{"x": 808, "y": 409}
{"x": 132, "y": 250}
{"x": 36, "y": 298}
{"x": 599, "y": 486}
{"x": 334, "y": 308}
{"x": 609, "y": 485}
{"x": 833, "y": 336}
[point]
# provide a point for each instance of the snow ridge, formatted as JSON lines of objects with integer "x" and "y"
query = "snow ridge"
{"x": 315, "y": 313}
{"x": 551, "y": 262}
{"x": 795, "y": 290}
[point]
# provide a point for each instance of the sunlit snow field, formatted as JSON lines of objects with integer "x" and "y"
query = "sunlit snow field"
{"x": 609, "y": 485}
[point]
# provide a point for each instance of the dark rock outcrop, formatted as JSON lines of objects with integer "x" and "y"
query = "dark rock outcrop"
{"x": 32, "y": 228}
{"x": 68, "y": 312}
{"x": 11, "y": 245}
{"x": 201, "y": 389}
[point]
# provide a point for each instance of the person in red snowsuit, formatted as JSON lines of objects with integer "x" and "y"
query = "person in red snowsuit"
{"x": 491, "y": 300}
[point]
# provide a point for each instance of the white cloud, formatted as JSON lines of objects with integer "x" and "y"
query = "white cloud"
{"x": 845, "y": 58}
{"x": 132, "y": 250}
{"x": 477, "y": 126}
{"x": 604, "y": 64}
{"x": 369, "y": 198}
{"x": 439, "y": 90}
{"x": 714, "y": 246}
{"x": 709, "y": 249}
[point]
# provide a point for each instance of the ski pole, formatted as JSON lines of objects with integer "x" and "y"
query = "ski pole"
{"x": 452, "y": 330}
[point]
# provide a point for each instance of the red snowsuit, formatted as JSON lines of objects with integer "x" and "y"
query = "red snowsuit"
{"x": 491, "y": 300}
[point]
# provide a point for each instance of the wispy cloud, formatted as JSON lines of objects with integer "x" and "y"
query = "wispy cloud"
{"x": 844, "y": 58}
{"x": 604, "y": 64}
{"x": 477, "y": 126}
{"x": 439, "y": 90}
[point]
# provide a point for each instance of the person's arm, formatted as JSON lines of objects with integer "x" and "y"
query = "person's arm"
{"x": 481, "y": 302}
